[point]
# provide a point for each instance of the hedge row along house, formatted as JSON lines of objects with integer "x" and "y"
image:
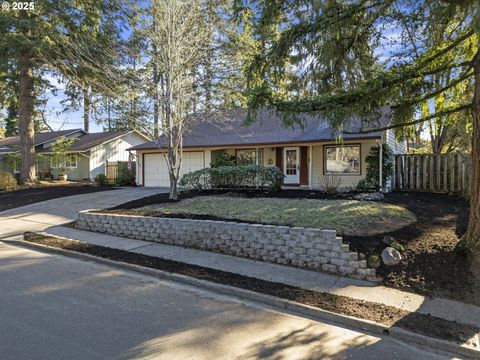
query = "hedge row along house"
{"x": 85, "y": 158}
{"x": 304, "y": 152}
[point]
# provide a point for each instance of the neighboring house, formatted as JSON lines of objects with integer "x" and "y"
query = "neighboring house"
{"x": 304, "y": 153}
{"x": 86, "y": 158}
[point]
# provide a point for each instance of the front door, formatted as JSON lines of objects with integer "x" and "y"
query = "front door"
{"x": 291, "y": 165}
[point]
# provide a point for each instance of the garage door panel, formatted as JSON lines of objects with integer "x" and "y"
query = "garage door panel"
{"x": 156, "y": 170}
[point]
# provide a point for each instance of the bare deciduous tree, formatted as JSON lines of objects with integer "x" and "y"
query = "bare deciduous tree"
{"x": 181, "y": 38}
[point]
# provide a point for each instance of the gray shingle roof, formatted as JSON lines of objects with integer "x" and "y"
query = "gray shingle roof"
{"x": 12, "y": 143}
{"x": 227, "y": 129}
{"x": 84, "y": 142}
{"x": 91, "y": 140}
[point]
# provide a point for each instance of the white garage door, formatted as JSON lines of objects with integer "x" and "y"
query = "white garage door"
{"x": 156, "y": 172}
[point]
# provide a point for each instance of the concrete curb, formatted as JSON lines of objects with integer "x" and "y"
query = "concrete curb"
{"x": 275, "y": 303}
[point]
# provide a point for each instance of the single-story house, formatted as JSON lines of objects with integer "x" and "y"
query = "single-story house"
{"x": 86, "y": 158}
{"x": 304, "y": 152}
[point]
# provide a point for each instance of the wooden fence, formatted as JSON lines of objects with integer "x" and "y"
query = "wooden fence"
{"x": 111, "y": 170}
{"x": 448, "y": 173}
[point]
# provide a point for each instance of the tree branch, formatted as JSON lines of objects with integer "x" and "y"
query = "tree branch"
{"x": 414, "y": 122}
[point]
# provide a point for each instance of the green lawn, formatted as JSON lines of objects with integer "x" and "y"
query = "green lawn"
{"x": 346, "y": 216}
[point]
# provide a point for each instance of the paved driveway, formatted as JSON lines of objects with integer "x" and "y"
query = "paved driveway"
{"x": 54, "y": 307}
{"x": 39, "y": 216}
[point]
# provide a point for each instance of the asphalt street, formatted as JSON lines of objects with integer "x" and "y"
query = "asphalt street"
{"x": 54, "y": 307}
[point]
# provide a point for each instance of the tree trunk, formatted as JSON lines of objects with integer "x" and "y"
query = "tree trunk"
{"x": 471, "y": 240}
{"x": 25, "y": 119}
{"x": 173, "y": 195}
{"x": 86, "y": 110}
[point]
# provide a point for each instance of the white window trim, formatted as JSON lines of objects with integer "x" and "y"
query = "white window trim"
{"x": 62, "y": 165}
{"x": 325, "y": 161}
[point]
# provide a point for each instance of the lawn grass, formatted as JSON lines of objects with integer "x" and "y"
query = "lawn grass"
{"x": 348, "y": 217}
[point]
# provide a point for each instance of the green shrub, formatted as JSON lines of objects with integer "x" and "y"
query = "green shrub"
{"x": 125, "y": 176}
{"x": 101, "y": 179}
{"x": 397, "y": 246}
{"x": 223, "y": 160}
{"x": 7, "y": 181}
{"x": 234, "y": 177}
{"x": 370, "y": 182}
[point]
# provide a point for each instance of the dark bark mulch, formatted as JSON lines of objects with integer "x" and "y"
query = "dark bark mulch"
{"x": 390, "y": 316}
{"x": 431, "y": 267}
{"x": 17, "y": 198}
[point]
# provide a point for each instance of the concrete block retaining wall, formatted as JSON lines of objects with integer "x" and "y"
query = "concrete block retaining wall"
{"x": 309, "y": 248}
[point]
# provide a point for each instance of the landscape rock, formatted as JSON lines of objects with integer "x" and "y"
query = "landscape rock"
{"x": 375, "y": 196}
{"x": 391, "y": 257}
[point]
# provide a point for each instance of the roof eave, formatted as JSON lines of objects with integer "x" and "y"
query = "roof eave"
{"x": 368, "y": 137}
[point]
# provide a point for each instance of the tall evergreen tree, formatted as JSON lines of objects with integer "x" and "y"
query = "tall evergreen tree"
{"x": 50, "y": 35}
{"x": 338, "y": 38}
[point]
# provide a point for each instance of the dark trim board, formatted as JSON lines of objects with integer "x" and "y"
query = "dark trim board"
{"x": 143, "y": 169}
{"x": 303, "y": 165}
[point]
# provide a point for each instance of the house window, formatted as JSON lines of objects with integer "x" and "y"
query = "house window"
{"x": 343, "y": 159}
{"x": 69, "y": 161}
{"x": 56, "y": 162}
{"x": 247, "y": 157}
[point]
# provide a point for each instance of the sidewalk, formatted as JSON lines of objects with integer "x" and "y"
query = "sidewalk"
{"x": 357, "y": 289}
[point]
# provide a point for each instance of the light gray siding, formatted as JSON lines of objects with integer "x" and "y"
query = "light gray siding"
{"x": 115, "y": 150}
{"x": 398, "y": 147}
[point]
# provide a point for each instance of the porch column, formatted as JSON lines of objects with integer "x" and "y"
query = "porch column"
{"x": 310, "y": 166}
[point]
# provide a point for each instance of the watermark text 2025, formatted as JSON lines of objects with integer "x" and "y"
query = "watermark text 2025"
{"x": 25, "y": 6}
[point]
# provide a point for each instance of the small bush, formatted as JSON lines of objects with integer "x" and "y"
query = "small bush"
{"x": 7, "y": 181}
{"x": 125, "y": 176}
{"x": 397, "y": 246}
{"x": 234, "y": 177}
{"x": 330, "y": 183}
{"x": 366, "y": 185}
{"x": 101, "y": 179}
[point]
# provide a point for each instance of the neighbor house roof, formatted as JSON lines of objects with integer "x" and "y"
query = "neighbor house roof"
{"x": 227, "y": 129}
{"x": 91, "y": 140}
{"x": 88, "y": 141}
{"x": 84, "y": 143}
{"x": 12, "y": 143}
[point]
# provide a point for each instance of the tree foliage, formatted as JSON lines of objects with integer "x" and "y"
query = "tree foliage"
{"x": 429, "y": 71}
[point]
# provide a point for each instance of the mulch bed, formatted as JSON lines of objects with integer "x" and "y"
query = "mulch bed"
{"x": 390, "y": 316}
{"x": 17, "y": 198}
{"x": 431, "y": 264}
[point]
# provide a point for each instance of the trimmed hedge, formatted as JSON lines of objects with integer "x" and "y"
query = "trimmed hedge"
{"x": 234, "y": 177}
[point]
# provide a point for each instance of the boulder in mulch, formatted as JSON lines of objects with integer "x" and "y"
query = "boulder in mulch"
{"x": 390, "y": 256}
